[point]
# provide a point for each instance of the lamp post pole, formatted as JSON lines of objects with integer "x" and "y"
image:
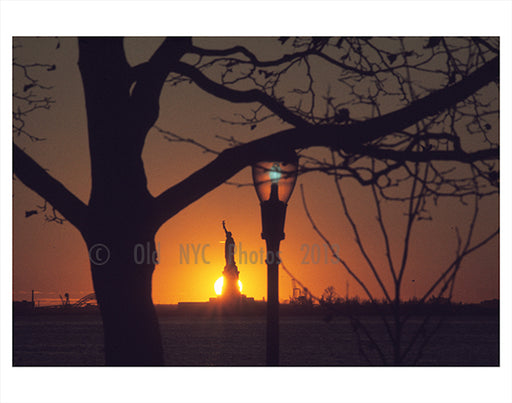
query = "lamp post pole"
{"x": 272, "y": 304}
{"x": 273, "y": 212}
{"x": 274, "y": 182}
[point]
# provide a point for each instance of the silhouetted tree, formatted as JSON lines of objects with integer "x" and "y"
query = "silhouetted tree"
{"x": 440, "y": 291}
{"x": 380, "y": 104}
{"x": 329, "y": 295}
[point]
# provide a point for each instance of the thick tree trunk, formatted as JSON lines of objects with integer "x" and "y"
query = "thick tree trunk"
{"x": 121, "y": 108}
{"x": 122, "y": 274}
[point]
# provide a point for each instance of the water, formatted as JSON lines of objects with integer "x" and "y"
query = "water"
{"x": 305, "y": 341}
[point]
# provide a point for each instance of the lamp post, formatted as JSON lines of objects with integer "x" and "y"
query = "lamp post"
{"x": 274, "y": 182}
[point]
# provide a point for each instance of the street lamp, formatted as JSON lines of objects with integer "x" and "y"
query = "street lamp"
{"x": 274, "y": 182}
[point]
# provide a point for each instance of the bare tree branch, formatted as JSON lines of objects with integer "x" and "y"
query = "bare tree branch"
{"x": 237, "y": 96}
{"x": 422, "y": 156}
{"x": 150, "y": 77}
{"x": 346, "y": 137}
{"x": 346, "y": 266}
{"x": 37, "y": 179}
{"x": 359, "y": 242}
{"x": 251, "y": 58}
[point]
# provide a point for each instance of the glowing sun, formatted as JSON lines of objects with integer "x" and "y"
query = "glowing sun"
{"x": 220, "y": 282}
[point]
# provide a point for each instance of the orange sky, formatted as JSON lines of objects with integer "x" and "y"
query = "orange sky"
{"x": 52, "y": 258}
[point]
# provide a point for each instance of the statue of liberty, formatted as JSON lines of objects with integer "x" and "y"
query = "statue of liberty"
{"x": 229, "y": 247}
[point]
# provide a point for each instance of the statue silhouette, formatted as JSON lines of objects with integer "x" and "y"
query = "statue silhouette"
{"x": 229, "y": 247}
{"x": 230, "y": 288}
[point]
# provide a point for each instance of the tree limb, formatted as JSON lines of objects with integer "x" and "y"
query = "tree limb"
{"x": 353, "y": 135}
{"x": 430, "y": 105}
{"x": 350, "y": 138}
{"x": 233, "y": 160}
{"x": 37, "y": 179}
{"x": 150, "y": 77}
{"x": 275, "y": 62}
{"x": 237, "y": 96}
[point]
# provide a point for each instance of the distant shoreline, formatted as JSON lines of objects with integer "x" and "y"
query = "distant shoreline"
{"x": 258, "y": 308}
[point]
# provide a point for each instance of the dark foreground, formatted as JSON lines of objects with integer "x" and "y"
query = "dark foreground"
{"x": 305, "y": 341}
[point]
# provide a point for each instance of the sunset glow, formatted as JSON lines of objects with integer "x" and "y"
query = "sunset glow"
{"x": 220, "y": 282}
{"x": 188, "y": 246}
{"x": 218, "y": 285}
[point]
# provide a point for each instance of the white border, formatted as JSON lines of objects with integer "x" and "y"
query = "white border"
{"x": 213, "y": 18}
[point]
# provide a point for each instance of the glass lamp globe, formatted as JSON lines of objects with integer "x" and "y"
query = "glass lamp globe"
{"x": 274, "y": 179}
